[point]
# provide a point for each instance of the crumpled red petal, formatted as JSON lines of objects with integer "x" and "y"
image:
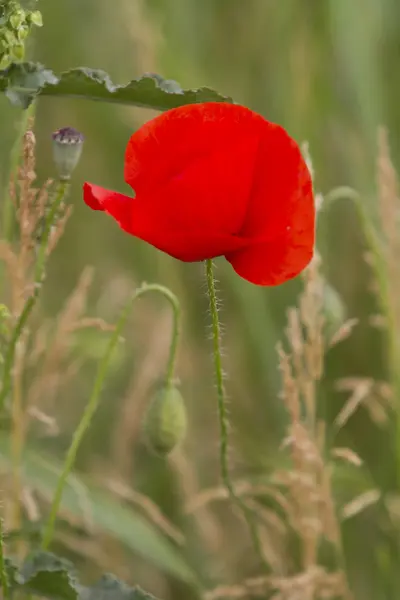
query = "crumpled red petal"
{"x": 282, "y": 195}
{"x": 188, "y": 246}
{"x": 114, "y": 204}
{"x": 193, "y": 246}
{"x": 273, "y": 263}
{"x": 194, "y": 166}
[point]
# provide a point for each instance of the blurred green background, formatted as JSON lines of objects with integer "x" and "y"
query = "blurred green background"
{"x": 327, "y": 70}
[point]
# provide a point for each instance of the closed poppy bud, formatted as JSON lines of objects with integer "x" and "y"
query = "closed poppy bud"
{"x": 165, "y": 422}
{"x": 67, "y": 150}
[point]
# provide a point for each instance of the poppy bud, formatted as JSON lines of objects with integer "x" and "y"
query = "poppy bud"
{"x": 67, "y": 150}
{"x": 165, "y": 421}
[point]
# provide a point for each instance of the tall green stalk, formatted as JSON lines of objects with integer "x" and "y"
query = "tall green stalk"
{"x": 379, "y": 267}
{"x": 3, "y": 571}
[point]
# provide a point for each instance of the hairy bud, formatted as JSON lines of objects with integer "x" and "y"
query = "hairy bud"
{"x": 165, "y": 422}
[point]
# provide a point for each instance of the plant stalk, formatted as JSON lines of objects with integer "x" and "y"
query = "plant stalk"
{"x": 39, "y": 272}
{"x": 94, "y": 398}
{"x": 223, "y": 417}
{"x": 3, "y": 571}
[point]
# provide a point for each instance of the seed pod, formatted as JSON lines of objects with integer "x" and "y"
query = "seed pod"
{"x": 165, "y": 422}
{"x": 67, "y": 150}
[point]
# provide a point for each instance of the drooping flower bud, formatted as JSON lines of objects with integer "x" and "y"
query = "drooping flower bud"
{"x": 67, "y": 150}
{"x": 165, "y": 422}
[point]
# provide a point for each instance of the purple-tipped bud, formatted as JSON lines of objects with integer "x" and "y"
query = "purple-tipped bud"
{"x": 67, "y": 150}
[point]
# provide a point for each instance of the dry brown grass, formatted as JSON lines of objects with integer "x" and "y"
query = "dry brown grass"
{"x": 42, "y": 349}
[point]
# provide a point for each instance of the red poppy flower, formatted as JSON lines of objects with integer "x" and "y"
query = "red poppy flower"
{"x": 217, "y": 179}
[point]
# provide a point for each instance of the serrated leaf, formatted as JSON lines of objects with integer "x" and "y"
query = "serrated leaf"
{"x": 23, "y": 82}
{"x": 49, "y": 576}
{"x": 53, "y": 578}
{"x": 111, "y": 588}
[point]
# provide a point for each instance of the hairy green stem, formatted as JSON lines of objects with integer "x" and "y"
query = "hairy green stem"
{"x": 94, "y": 398}
{"x": 31, "y": 301}
{"x": 3, "y": 571}
{"x": 223, "y": 417}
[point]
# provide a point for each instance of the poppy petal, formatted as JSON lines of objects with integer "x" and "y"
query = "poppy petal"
{"x": 191, "y": 246}
{"x": 282, "y": 195}
{"x": 194, "y": 166}
{"x": 115, "y": 204}
{"x": 273, "y": 263}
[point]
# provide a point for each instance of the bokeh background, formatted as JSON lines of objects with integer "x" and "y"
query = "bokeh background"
{"x": 327, "y": 70}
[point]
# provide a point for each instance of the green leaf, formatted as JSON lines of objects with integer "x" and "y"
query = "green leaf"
{"x": 23, "y": 82}
{"x": 23, "y": 32}
{"x": 54, "y": 578}
{"x": 17, "y": 18}
{"x": 110, "y": 588}
{"x": 47, "y": 575}
{"x": 12, "y": 572}
{"x": 17, "y": 52}
{"x": 35, "y": 17}
{"x": 104, "y": 512}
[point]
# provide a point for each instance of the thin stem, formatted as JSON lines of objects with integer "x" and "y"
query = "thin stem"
{"x": 8, "y": 206}
{"x": 223, "y": 417}
{"x": 385, "y": 297}
{"x": 176, "y": 309}
{"x": 3, "y": 571}
{"x": 94, "y": 398}
{"x": 31, "y": 301}
{"x": 17, "y": 440}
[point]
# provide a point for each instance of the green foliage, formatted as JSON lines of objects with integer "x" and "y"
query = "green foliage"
{"x": 110, "y": 588}
{"x": 23, "y": 82}
{"x": 50, "y": 577}
{"x": 15, "y": 26}
{"x": 105, "y": 512}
